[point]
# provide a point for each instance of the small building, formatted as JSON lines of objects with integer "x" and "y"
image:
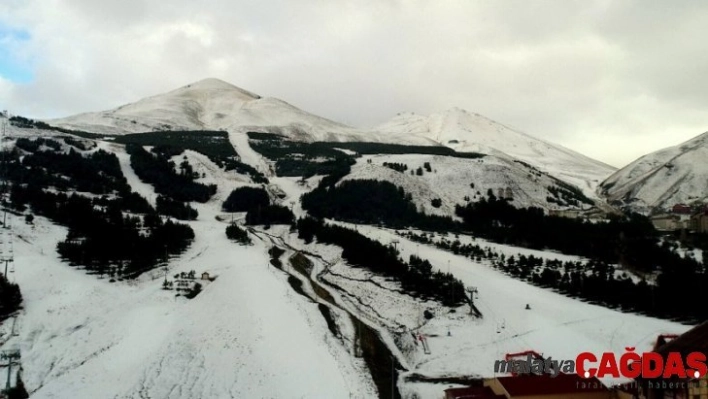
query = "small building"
{"x": 668, "y": 222}
{"x": 681, "y": 209}
{"x": 595, "y": 213}
{"x": 205, "y": 276}
{"x": 562, "y": 386}
{"x": 566, "y": 213}
{"x": 699, "y": 222}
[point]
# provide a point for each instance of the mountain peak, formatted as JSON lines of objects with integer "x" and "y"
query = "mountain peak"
{"x": 214, "y": 84}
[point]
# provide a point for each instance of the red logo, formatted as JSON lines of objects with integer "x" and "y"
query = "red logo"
{"x": 648, "y": 365}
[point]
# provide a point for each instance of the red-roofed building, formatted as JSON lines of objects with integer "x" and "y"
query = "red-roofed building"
{"x": 682, "y": 209}
{"x": 693, "y": 340}
{"x": 563, "y": 386}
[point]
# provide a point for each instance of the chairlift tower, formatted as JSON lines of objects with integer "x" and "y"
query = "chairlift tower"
{"x": 7, "y": 253}
{"x": 12, "y": 357}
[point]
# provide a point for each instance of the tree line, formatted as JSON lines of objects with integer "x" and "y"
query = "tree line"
{"x": 159, "y": 171}
{"x": 372, "y": 202}
{"x": 675, "y": 294}
{"x": 629, "y": 240}
{"x": 416, "y": 277}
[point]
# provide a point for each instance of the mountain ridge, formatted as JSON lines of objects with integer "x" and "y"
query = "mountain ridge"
{"x": 465, "y": 131}
{"x": 213, "y": 104}
{"x": 663, "y": 178}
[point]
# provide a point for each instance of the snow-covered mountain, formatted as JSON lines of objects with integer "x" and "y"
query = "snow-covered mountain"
{"x": 663, "y": 178}
{"x": 457, "y": 180}
{"x": 469, "y": 132}
{"x": 212, "y": 104}
{"x": 257, "y": 330}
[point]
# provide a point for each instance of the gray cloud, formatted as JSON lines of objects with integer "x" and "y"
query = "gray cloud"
{"x": 611, "y": 79}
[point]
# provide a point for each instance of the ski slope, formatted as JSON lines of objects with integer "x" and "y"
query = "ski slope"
{"x": 247, "y": 334}
{"x": 556, "y": 326}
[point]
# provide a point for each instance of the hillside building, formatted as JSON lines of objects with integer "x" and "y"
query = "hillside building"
{"x": 566, "y": 213}
{"x": 666, "y": 222}
{"x": 699, "y": 222}
{"x": 694, "y": 340}
{"x": 681, "y": 209}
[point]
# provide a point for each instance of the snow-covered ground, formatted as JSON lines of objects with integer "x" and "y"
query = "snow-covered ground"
{"x": 555, "y": 326}
{"x": 469, "y": 132}
{"x": 212, "y": 104}
{"x": 663, "y": 178}
{"x": 247, "y": 334}
{"x": 452, "y": 180}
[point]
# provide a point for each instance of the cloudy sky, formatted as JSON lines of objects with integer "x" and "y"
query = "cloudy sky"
{"x": 611, "y": 79}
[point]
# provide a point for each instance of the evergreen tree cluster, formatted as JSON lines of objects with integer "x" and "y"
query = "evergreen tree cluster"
{"x": 398, "y": 167}
{"x": 367, "y": 148}
{"x": 98, "y": 172}
{"x": 567, "y": 195}
{"x": 372, "y": 202}
{"x": 32, "y": 145}
{"x": 82, "y": 145}
{"x": 158, "y": 170}
{"x": 101, "y": 238}
{"x": 675, "y": 294}
{"x": 10, "y": 298}
{"x": 416, "y": 277}
{"x": 269, "y": 215}
{"x": 27, "y": 123}
{"x": 294, "y": 158}
{"x": 256, "y": 203}
{"x": 629, "y": 240}
{"x": 234, "y": 232}
{"x": 176, "y": 209}
{"x": 246, "y": 198}
{"x": 571, "y": 193}
{"x": 300, "y": 159}
{"x": 213, "y": 144}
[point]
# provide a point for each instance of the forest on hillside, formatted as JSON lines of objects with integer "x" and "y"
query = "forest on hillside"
{"x": 88, "y": 194}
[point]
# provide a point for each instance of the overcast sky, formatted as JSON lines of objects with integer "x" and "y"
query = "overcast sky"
{"x": 611, "y": 79}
